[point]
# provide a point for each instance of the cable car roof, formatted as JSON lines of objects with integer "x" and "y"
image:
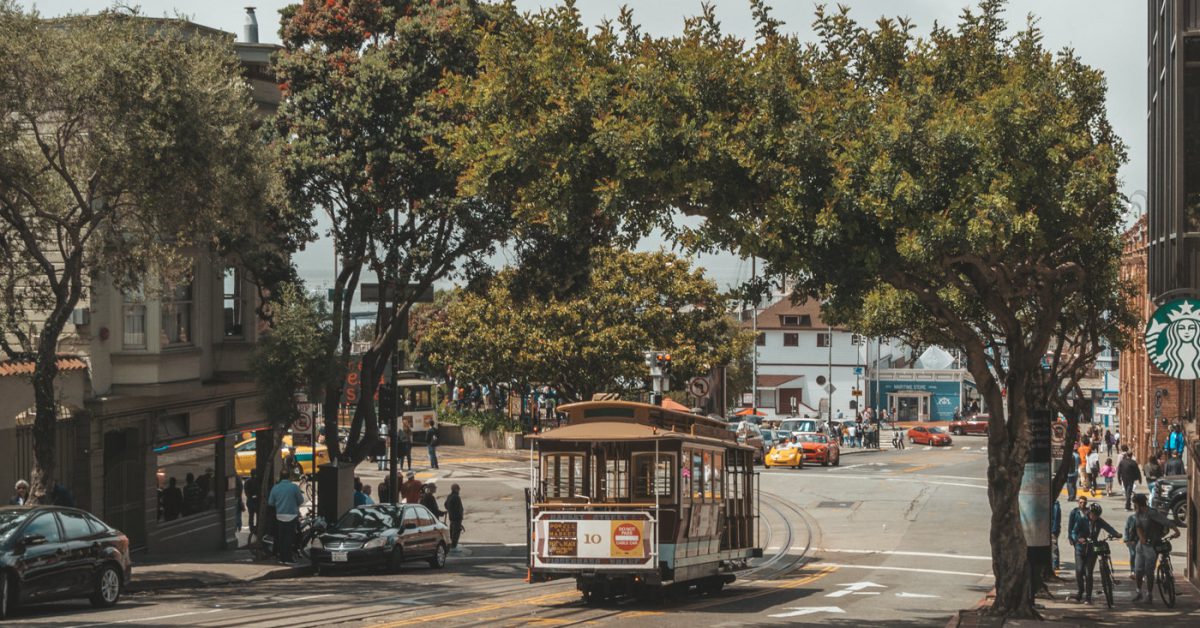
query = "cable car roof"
{"x": 620, "y": 431}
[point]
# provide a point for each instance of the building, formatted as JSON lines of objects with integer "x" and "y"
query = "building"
{"x": 1172, "y": 227}
{"x": 155, "y": 388}
{"x": 799, "y": 355}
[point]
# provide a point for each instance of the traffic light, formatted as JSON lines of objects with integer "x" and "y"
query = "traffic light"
{"x": 663, "y": 362}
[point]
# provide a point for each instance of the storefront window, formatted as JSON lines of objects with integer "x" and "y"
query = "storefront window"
{"x": 187, "y": 482}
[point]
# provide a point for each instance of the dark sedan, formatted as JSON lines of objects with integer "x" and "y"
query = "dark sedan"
{"x": 51, "y": 553}
{"x": 383, "y": 535}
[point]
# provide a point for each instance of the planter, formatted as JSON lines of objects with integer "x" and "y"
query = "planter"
{"x": 478, "y": 439}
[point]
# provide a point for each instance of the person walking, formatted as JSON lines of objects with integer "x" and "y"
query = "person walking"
{"x": 1150, "y": 527}
{"x": 286, "y": 498}
{"x": 1083, "y": 450}
{"x": 1108, "y": 472}
{"x": 1108, "y": 442}
{"x": 454, "y": 511}
{"x": 1129, "y": 474}
{"x": 1083, "y": 534}
{"x": 404, "y": 446}
{"x": 20, "y": 493}
{"x": 1152, "y": 472}
{"x": 1055, "y": 530}
{"x": 433, "y": 445}
{"x": 253, "y": 490}
{"x": 238, "y": 488}
{"x": 1130, "y": 539}
{"x": 1073, "y": 477}
{"x": 1093, "y": 470}
{"x": 411, "y": 489}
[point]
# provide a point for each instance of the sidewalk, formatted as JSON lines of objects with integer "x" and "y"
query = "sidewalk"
{"x": 180, "y": 571}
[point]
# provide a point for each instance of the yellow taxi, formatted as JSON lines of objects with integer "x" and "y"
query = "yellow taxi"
{"x": 785, "y": 455}
{"x": 247, "y": 457}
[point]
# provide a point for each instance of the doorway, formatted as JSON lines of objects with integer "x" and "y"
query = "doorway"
{"x": 125, "y": 484}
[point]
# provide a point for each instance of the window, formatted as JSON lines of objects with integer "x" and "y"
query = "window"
{"x": 697, "y": 476}
{"x": 46, "y": 526}
{"x": 411, "y": 516}
{"x": 718, "y": 466}
{"x": 653, "y": 478}
{"x": 177, "y": 316}
{"x": 97, "y": 525}
{"x": 761, "y": 340}
{"x": 856, "y": 339}
{"x": 424, "y": 517}
{"x": 616, "y": 479}
{"x": 823, "y": 339}
{"x": 75, "y": 525}
{"x": 188, "y": 484}
{"x": 791, "y": 339}
{"x": 233, "y": 303}
{"x": 562, "y": 475}
{"x": 134, "y": 336}
{"x": 791, "y": 321}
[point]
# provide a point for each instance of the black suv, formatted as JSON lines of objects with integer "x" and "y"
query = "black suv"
{"x": 1171, "y": 497}
{"x": 50, "y": 553}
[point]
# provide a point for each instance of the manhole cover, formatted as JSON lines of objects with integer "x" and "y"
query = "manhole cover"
{"x": 836, "y": 504}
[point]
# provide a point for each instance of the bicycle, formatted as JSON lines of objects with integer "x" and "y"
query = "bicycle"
{"x": 1104, "y": 556}
{"x": 1164, "y": 575}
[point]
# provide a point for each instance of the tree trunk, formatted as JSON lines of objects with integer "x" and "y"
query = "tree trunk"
{"x": 267, "y": 478}
{"x": 45, "y": 425}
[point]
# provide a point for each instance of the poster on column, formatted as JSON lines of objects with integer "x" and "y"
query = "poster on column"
{"x": 1034, "y": 500}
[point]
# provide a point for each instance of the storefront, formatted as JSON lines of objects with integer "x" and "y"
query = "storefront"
{"x": 920, "y": 394}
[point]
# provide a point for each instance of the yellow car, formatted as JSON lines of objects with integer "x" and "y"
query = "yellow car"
{"x": 247, "y": 457}
{"x": 785, "y": 456}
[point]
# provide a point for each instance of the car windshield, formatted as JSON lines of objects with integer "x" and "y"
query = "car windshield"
{"x": 812, "y": 438}
{"x": 768, "y": 434}
{"x": 10, "y": 520}
{"x": 364, "y": 518}
{"x": 937, "y": 430}
{"x": 798, "y": 425}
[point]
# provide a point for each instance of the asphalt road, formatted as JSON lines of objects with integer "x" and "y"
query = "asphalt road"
{"x": 895, "y": 536}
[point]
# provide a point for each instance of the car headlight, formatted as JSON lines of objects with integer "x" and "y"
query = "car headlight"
{"x": 380, "y": 541}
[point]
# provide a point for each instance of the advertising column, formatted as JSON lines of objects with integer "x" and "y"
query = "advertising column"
{"x": 1035, "y": 499}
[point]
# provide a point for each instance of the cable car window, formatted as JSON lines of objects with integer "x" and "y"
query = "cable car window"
{"x": 616, "y": 479}
{"x": 717, "y": 466}
{"x": 697, "y": 476}
{"x": 562, "y": 475}
{"x": 653, "y": 478}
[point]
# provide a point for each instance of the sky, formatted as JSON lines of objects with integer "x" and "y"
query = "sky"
{"x": 1107, "y": 34}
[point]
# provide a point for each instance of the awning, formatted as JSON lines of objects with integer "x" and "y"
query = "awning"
{"x": 671, "y": 404}
{"x": 748, "y": 412}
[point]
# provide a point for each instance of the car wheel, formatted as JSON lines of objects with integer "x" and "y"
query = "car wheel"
{"x": 1180, "y": 512}
{"x": 837, "y": 460}
{"x": 106, "y": 589}
{"x": 825, "y": 461}
{"x": 5, "y": 595}
{"x": 395, "y": 560}
{"x": 439, "y": 557}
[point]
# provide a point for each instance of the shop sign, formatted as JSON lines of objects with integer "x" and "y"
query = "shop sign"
{"x": 1173, "y": 339}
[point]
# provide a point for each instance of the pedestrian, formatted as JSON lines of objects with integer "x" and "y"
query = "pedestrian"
{"x": 433, "y": 445}
{"x": 172, "y": 501}
{"x": 1150, "y": 526}
{"x": 411, "y": 489}
{"x": 360, "y": 497}
{"x": 1083, "y": 534}
{"x": 193, "y": 499}
{"x": 1175, "y": 439}
{"x": 404, "y": 446}
{"x": 381, "y": 448}
{"x": 454, "y": 510}
{"x": 1174, "y": 465}
{"x": 1093, "y": 470}
{"x": 366, "y": 490}
{"x": 429, "y": 500}
{"x": 253, "y": 489}
{"x": 61, "y": 495}
{"x": 20, "y": 493}
{"x": 241, "y": 505}
{"x": 286, "y": 498}
{"x": 1108, "y": 473}
{"x": 1129, "y": 474}
{"x": 1108, "y": 442}
{"x": 1152, "y": 472}
{"x": 1083, "y": 450}
{"x": 1055, "y": 530}
{"x": 1130, "y": 539}
{"x": 853, "y": 433}
{"x": 1073, "y": 476}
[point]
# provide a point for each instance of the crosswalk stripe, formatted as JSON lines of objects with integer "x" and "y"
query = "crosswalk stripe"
{"x": 965, "y": 448}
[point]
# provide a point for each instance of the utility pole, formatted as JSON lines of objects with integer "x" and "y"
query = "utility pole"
{"x": 829, "y": 374}
{"x": 754, "y": 328}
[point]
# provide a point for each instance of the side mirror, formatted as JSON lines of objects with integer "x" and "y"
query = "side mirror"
{"x": 33, "y": 539}
{"x": 410, "y": 526}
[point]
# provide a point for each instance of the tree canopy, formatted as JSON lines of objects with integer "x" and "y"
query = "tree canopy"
{"x": 591, "y": 341}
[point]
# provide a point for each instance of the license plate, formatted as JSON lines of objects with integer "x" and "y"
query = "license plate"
{"x": 340, "y": 557}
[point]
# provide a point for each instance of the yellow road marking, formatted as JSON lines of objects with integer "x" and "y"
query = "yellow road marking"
{"x": 789, "y": 584}
{"x": 632, "y": 614}
{"x": 921, "y": 467}
{"x": 480, "y": 609}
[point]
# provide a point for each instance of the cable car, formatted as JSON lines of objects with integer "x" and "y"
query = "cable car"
{"x": 631, "y": 498}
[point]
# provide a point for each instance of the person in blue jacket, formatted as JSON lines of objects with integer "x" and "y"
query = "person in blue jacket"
{"x": 1055, "y": 529}
{"x": 1083, "y": 533}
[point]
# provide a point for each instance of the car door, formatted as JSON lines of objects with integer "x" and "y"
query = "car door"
{"x": 82, "y": 550}
{"x": 920, "y": 436}
{"x": 429, "y": 532}
{"x": 41, "y": 566}
{"x": 410, "y": 532}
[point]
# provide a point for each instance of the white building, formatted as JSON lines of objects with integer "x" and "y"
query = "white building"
{"x": 799, "y": 354}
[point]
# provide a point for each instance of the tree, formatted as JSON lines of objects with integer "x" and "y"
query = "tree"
{"x": 289, "y": 359}
{"x": 959, "y": 189}
{"x": 362, "y": 81}
{"x": 592, "y": 341}
{"x": 126, "y": 146}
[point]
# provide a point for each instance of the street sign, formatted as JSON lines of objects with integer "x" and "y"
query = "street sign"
{"x": 1173, "y": 339}
{"x": 858, "y": 371}
{"x": 698, "y": 386}
{"x": 302, "y": 439}
{"x": 302, "y": 424}
{"x": 830, "y": 388}
{"x": 370, "y": 293}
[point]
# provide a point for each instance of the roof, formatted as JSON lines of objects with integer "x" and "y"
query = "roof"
{"x": 25, "y": 367}
{"x": 772, "y": 316}
{"x": 623, "y": 431}
{"x": 671, "y": 404}
{"x": 773, "y": 381}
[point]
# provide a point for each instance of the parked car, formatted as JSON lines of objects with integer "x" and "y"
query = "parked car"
{"x": 769, "y": 437}
{"x": 750, "y": 434}
{"x": 383, "y": 535}
{"x": 1171, "y": 497}
{"x": 247, "y": 456}
{"x": 921, "y": 435}
{"x": 975, "y": 424}
{"x": 785, "y": 455}
{"x": 818, "y": 447}
{"x": 51, "y": 553}
{"x": 796, "y": 426}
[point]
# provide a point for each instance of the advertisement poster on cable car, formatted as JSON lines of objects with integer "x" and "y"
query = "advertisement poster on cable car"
{"x": 617, "y": 539}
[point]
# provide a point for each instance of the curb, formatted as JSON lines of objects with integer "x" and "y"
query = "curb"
{"x": 956, "y": 620}
{"x": 167, "y": 584}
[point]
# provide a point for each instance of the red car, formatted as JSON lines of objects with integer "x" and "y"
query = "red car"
{"x": 921, "y": 435}
{"x": 819, "y": 447}
{"x": 977, "y": 424}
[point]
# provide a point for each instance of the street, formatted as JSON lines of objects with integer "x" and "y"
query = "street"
{"x": 899, "y": 536}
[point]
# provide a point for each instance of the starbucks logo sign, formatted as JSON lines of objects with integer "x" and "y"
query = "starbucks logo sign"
{"x": 1173, "y": 339}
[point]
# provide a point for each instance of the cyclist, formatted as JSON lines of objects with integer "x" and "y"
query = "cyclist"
{"x": 1151, "y": 525}
{"x": 1084, "y": 531}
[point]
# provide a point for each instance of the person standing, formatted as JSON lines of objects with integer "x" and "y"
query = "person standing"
{"x": 454, "y": 510}
{"x": 366, "y": 491}
{"x": 1153, "y": 471}
{"x": 193, "y": 499}
{"x": 1083, "y": 450}
{"x": 238, "y": 487}
{"x": 429, "y": 500}
{"x": 1128, "y": 474}
{"x": 253, "y": 490}
{"x": 1073, "y": 476}
{"x": 172, "y": 501}
{"x": 286, "y": 498}
{"x": 1108, "y": 473}
{"x": 433, "y": 445}
{"x": 360, "y": 497}
{"x": 1150, "y": 526}
{"x": 1108, "y": 442}
{"x": 1055, "y": 530}
{"x": 1174, "y": 466}
{"x": 1083, "y": 533}
{"x": 404, "y": 447}
{"x": 20, "y": 493}
{"x": 411, "y": 489}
